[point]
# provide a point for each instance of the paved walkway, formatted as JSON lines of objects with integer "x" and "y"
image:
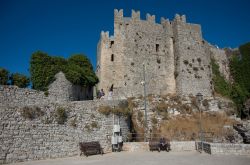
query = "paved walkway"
{"x": 147, "y": 158}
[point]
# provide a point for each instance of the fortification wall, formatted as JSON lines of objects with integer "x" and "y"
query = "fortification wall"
{"x": 42, "y": 137}
{"x": 222, "y": 60}
{"x": 14, "y": 96}
{"x": 61, "y": 90}
{"x": 192, "y": 62}
{"x": 137, "y": 42}
{"x": 176, "y": 58}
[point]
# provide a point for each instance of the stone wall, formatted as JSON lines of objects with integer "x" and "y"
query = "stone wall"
{"x": 61, "y": 90}
{"x": 174, "y": 53}
{"x": 176, "y": 146}
{"x": 14, "y": 96}
{"x": 222, "y": 60}
{"x": 32, "y": 132}
{"x": 225, "y": 148}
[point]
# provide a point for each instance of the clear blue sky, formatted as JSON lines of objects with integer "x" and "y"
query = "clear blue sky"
{"x": 65, "y": 27}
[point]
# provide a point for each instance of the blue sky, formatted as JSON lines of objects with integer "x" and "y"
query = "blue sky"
{"x": 65, "y": 27}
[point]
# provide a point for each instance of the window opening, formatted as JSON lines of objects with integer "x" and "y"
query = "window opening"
{"x": 112, "y": 57}
{"x": 157, "y": 47}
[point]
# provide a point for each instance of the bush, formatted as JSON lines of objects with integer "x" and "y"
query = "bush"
{"x": 94, "y": 124}
{"x": 61, "y": 116}
{"x": 121, "y": 109}
{"x": 154, "y": 120}
{"x": 46, "y": 93}
{"x": 221, "y": 86}
{"x": 19, "y": 80}
{"x": 161, "y": 107}
{"x": 105, "y": 110}
{"x": 31, "y": 112}
{"x": 77, "y": 69}
{"x": 4, "y": 76}
{"x": 140, "y": 116}
{"x": 73, "y": 122}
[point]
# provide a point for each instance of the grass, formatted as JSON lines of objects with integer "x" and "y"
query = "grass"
{"x": 187, "y": 127}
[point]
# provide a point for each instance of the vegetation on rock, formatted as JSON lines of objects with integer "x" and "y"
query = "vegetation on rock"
{"x": 61, "y": 115}
{"x": 239, "y": 89}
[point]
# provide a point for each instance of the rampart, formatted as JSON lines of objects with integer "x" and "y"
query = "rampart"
{"x": 29, "y": 128}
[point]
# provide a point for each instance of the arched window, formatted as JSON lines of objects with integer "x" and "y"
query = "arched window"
{"x": 112, "y": 57}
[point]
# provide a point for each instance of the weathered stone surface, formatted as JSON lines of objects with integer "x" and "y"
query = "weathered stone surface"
{"x": 226, "y": 148}
{"x": 23, "y": 139}
{"x": 175, "y": 55}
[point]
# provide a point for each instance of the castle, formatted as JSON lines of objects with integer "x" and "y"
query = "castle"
{"x": 174, "y": 55}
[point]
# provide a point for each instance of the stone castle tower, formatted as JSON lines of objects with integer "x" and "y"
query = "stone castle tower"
{"x": 175, "y": 56}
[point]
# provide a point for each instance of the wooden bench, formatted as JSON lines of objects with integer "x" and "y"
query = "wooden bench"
{"x": 90, "y": 148}
{"x": 155, "y": 145}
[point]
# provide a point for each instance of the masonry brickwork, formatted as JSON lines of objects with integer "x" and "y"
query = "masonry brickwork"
{"x": 24, "y": 139}
{"x": 174, "y": 53}
{"x": 28, "y": 122}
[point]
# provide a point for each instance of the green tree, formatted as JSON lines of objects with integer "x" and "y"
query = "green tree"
{"x": 77, "y": 70}
{"x": 4, "y": 76}
{"x": 19, "y": 80}
{"x": 220, "y": 84}
{"x": 240, "y": 70}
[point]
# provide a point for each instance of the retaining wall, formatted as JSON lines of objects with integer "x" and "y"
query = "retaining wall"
{"x": 225, "y": 148}
{"x": 174, "y": 145}
{"x": 41, "y": 137}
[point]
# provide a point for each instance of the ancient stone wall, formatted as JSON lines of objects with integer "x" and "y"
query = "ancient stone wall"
{"x": 60, "y": 90}
{"x": 226, "y": 148}
{"x": 14, "y": 96}
{"x": 136, "y": 43}
{"x": 222, "y": 60}
{"x": 176, "y": 146}
{"x": 174, "y": 53}
{"x": 63, "y": 90}
{"x": 23, "y": 137}
{"x": 192, "y": 62}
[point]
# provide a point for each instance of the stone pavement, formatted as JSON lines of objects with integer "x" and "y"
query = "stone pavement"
{"x": 147, "y": 158}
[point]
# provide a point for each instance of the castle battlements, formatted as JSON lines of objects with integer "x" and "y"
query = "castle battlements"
{"x": 135, "y": 16}
{"x": 174, "y": 53}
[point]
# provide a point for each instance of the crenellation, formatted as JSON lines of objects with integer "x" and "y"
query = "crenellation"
{"x": 104, "y": 35}
{"x": 136, "y": 15}
{"x": 183, "y": 18}
{"x": 118, "y": 15}
{"x": 150, "y": 18}
{"x": 177, "y": 17}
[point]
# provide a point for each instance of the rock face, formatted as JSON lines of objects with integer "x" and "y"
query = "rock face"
{"x": 174, "y": 54}
{"x": 39, "y": 137}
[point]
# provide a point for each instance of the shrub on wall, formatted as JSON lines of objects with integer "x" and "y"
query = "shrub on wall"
{"x": 220, "y": 84}
{"x": 31, "y": 112}
{"x": 4, "y": 76}
{"x": 61, "y": 115}
{"x": 122, "y": 109}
